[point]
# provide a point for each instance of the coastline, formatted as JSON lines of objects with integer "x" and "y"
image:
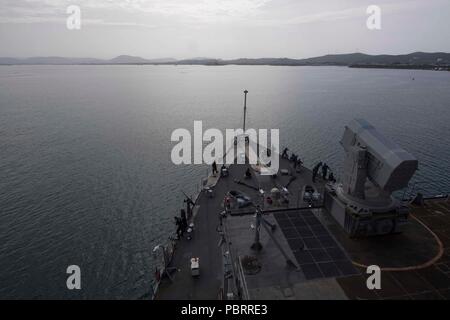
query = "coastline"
{"x": 360, "y": 66}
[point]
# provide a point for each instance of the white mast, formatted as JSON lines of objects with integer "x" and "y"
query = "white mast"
{"x": 245, "y": 107}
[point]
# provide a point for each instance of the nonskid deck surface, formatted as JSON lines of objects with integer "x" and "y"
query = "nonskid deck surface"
{"x": 415, "y": 264}
{"x": 414, "y": 274}
{"x": 204, "y": 245}
{"x": 205, "y": 241}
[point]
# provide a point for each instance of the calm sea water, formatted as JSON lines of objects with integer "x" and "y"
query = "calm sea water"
{"x": 85, "y": 170}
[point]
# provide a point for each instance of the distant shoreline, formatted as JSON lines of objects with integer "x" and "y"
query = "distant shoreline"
{"x": 403, "y": 67}
{"x": 358, "y": 66}
{"x": 439, "y": 61}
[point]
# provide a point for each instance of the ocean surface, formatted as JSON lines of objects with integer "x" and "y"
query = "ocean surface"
{"x": 85, "y": 170}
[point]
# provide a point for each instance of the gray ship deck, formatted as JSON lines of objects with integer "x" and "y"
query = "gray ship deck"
{"x": 329, "y": 265}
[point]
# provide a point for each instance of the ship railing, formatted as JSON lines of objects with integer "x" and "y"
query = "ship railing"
{"x": 200, "y": 186}
{"x": 241, "y": 279}
{"x": 233, "y": 275}
{"x": 228, "y": 265}
{"x": 161, "y": 264}
{"x": 170, "y": 245}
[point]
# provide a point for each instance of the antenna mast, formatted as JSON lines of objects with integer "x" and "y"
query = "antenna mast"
{"x": 245, "y": 107}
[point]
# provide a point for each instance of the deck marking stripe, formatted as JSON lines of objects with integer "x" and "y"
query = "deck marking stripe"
{"x": 420, "y": 266}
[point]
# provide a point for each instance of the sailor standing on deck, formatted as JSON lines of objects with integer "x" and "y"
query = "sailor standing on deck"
{"x": 331, "y": 177}
{"x": 189, "y": 205}
{"x": 179, "y": 227}
{"x": 315, "y": 170}
{"x": 214, "y": 168}
{"x": 324, "y": 171}
{"x": 295, "y": 159}
{"x": 184, "y": 223}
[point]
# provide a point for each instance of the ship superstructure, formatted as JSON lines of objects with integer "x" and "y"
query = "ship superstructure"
{"x": 285, "y": 236}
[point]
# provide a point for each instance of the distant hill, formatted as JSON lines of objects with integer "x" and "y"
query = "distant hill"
{"x": 420, "y": 60}
{"x": 127, "y": 59}
{"x": 123, "y": 59}
{"x": 416, "y": 58}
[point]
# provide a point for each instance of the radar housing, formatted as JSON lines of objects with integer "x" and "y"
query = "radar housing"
{"x": 374, "y": 168}
{"x": 388, "y": 166}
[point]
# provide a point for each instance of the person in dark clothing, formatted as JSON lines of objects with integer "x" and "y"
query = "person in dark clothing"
{"x": 179, "y": 227}
{"x": 315, "y": 171}
{"x": 214, "y": 168}
{"x": 314, "y": 174}
{"x": 248, "y": 174}
{"x": 331, "y": 177}
{"x": 184, "y": 223}
{"x": 325, "y": 171}
{"x": 284, "y": 154}
{"x": 295, "y": 161}
{"x": 189, "y": 205}
{"x": 317, "y": 166}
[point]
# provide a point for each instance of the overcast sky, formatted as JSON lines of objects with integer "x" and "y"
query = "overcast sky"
{"x": 221, "y": 28}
